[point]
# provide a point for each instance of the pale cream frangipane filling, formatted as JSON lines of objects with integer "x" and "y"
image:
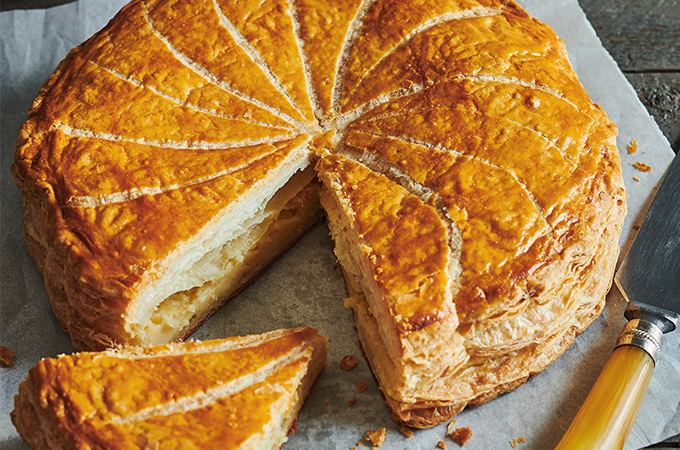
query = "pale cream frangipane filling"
{"x": 190, "y": 295}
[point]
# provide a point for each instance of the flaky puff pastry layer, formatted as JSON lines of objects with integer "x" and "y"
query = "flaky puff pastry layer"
{"x": 473, "y": 189}
{"x": 242, "y": 392}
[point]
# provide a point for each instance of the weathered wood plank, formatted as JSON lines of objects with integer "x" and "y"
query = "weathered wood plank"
{"x": 660, "y": 93}
{"x": 641, "y": 35}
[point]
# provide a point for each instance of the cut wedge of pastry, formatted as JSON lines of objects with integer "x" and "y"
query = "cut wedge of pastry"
{"x": 472, "y": 188}
{"x": 235, "y": 393}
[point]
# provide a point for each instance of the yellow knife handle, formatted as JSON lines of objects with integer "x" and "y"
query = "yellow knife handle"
{"x": 606, "y": 417}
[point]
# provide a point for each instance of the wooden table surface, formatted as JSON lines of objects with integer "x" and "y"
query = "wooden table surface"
{"x": 643, "y": 36}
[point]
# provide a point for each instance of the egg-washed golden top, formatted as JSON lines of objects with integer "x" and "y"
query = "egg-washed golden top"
{"x": 468, "y": 110}
{"x": 211, "y": 394}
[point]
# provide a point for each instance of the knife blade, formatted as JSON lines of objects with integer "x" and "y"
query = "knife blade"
{"x": 649, "y": 279}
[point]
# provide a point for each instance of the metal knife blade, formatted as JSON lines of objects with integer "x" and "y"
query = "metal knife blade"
{"x": 649, "y": 277}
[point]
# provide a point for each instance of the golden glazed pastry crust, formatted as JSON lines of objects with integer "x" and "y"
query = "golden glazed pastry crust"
{"x": 472, "y": 188}
{"x": 242, "y": 392}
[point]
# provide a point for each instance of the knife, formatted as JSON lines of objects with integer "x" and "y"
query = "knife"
{"x": 649, "y": 279}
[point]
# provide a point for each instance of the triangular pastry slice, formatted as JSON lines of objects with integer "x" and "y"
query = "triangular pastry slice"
{"x": 235, "y": 393}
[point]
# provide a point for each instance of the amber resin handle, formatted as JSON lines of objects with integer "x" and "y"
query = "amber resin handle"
{"x": 606, "y": 417}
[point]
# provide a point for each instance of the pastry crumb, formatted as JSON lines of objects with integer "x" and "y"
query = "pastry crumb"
{"x": 636, "y": 179}
{"x": 361, "y": 387}
{"x": 407, "y": 432}
{"x": 516, "y": 441}
{"x": 6, "y": 356}
{"x": 632, "y": 147}
{"x": 442, "y": 445}
{"x": 376, "y": 437}
{"x": 352, "y": 401}
{"x": 460, "y": 435}
{"x": 349, "y": 362}
{"x": 642, "y": 167}
{"x": 449, "y": 427}
{"x": 635, "y": 227}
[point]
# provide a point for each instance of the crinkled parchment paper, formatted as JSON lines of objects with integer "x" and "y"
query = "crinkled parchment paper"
{"x": 304, "y": 288}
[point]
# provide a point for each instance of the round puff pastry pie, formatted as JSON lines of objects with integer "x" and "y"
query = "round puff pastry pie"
{"x": 472, "y": 188}
{"x": 235, "y": 393}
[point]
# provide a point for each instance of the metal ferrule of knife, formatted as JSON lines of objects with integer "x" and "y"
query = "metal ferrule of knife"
{"x": 644, "y": 334}
{"x": 646, "y": 327}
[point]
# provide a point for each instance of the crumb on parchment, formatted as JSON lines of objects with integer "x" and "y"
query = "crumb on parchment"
{"x": 642, "y": 167}
{"x": 636, "y": 179}
{"x": 407, "y": 432}
{"x": 516, "y": 441}
{"x": 6, "y": 356}
{"x": 460, "y": 435}
{"x": 376, "y": 437}
{"x": 632, "y": 147}
{"x": 362, "y": 387}
{"x": 349, "y": 362}
{"x": 352, "y": 401}
{"x": 442, "y": 445}
{"x": 449, "y": 427}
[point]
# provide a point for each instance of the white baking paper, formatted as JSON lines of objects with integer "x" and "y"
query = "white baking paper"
{"x": 304, "y": 288}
